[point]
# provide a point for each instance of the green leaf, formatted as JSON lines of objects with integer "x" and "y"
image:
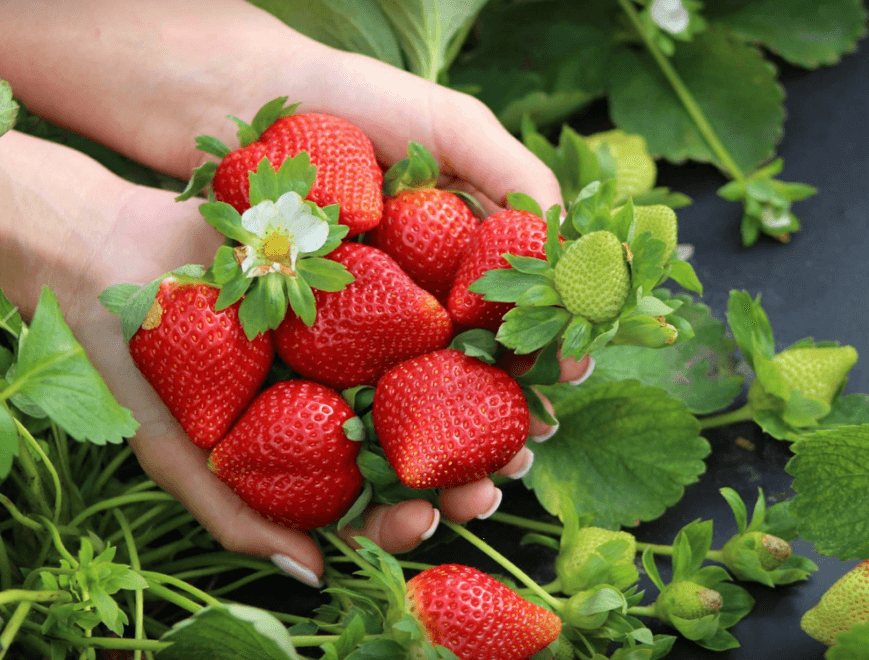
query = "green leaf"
{"x": 8, "y": 107}
{"x": 211, "y": 145}
{"x": 115, "y": 298}
{"x": 689, "y": 549}
{"x": 263, "y": 183}
{"x": 10, "y": 318}
{"x": 418, "y": 171}
{"x": 623, "y": 451}
{"x": 302, "y": 299}
{"x": 525, "y": 329}
{"x": 430, "y": 31}
{"x": 232, "y": 291}
{"x": 225, "y": 266}
{"x": 477, "y": 343}
{"x": 577, "y": 337}
{"x": 136, "y": 308}
{"x": 737, "y": 604}
{"x": 651, "y": 569}
{"x": 740, "y": 512}
{"x": 265, "y": 304}
{"x": 324, "y": 274}
{"x": 53, "y": 371}
{"x": 716, "y": 68}
{"x": 227, "y": 221}
{"x": 699, "y": 371}
{"x": 853, "y": 644}
{"x": 270, "y": 112}
{"x": 831, "y": 479}
{"x": 296, "y": 174}
{"x": 809, "y": 34}
{"x": 683, "y": 274}
{"x": 522, "y": 202}
{"x": 353, "y": 515}
{"x": 546, "y": 369}
{"x": 358, "y": 26}
{"x": 201, "y": 179}
{"x": 229, "y": 632}
{"x": 506, "y": 284}
{"x": 8, "y": 441}
{"x": 750, "y": 327}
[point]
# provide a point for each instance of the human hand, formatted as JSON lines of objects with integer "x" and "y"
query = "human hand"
{"x": 475, "y": 153}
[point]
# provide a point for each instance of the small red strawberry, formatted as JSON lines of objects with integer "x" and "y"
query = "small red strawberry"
{"x": 520, "y": 233}
{"x": 377, "y": 321}
{"x": 475, "y": 616}
{"x": 289, "y": 458}
{"x": 446, "y": 419}
{"x": 425, "y": 231}
{"x": 347, "y": 170}
{"x": 423, "y": 228}
{"x": 198, "y": 360}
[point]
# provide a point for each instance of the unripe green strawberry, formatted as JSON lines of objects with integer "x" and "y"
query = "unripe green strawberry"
{"x": 846, "y": 603}
{"x": 661, "y": 221}
{"x": 592, "y": 277}
{"x": 687, "y": 600}
{"x": 635, "y": 169}
{"x": 815, "y": 372}
{"x": 770, "y": 550}
{"x": 575, "y": 555}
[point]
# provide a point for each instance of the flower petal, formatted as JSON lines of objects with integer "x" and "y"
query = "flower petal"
{"x": 670, "y": 15}
{"x": 257, "y": 218}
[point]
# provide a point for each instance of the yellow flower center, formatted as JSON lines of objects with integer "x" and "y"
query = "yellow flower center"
{"x": 276, "y": 248}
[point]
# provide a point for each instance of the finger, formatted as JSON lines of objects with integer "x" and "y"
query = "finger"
{"x": 398, "y": 527}
{"x": 479, "y": 499}
{"x": 519, "y": 465}
{"x": 575, "y": 372}
{"x": 540, "y": 431}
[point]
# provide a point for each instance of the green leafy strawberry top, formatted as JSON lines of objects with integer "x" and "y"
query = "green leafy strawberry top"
{"x": 596, "y": 285}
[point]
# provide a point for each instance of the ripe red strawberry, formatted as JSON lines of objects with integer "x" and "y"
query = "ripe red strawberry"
{"x": 377, "y": 321}
{"x": 289, "y": 458}
{"x": 507, "y": 232}
{"x": 446, "y": 419}
{"x": 475, "y": 616}
{"x": 199, "y": 361}
{"x": 347, "y": 170}
{"x": 425, "y": 230}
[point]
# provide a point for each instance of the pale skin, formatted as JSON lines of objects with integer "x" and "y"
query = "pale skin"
{"x": 145, "y": 79}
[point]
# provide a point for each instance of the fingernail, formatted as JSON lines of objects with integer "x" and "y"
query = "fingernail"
{"x": 543, "y": 437}
{"x": 498, "y": 497}
{"x": 435, "y": 520}
{"x": 523, "y": 469}
{"x": 294, "y": 569}
{"x": 587, "y": 373}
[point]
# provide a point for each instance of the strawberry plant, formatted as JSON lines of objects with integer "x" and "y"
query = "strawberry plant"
{"x": 94, "y": 558}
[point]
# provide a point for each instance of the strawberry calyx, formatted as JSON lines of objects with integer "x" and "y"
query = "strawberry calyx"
{"x": 592, "y": 556}
{"x": 419, "y": 170}
{"x": 267, "y": 115}
{"x": 600, "y": 273}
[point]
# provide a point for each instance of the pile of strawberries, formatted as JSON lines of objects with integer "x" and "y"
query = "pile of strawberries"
{"x": 442, "y": 418}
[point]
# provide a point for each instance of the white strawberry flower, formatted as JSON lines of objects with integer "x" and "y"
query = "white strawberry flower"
{"x": 285, "y": 230}
{"x": 774, "y": 218}
{"x": 670, "y": 15}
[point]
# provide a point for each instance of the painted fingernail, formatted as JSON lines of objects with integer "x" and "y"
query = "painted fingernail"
{"x": 587, "y": 373}
{"x": 294, "y": 569}
{"x": 523, "y": 469}
{"x": 498, "y": 497}
{"x": 543, "y": 437}
{"x": 435, "y": 520}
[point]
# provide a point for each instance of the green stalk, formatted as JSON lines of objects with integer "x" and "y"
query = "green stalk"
{"x": 33, "y": 482}
{"x": 111, "y": 468}
{"x": 5, "y": 568}
{"x": 685, "y": 96}
{"x": 319, "y": 640}
{"x": 58, "y": 543}
{"x": 11, "y": 629}
{"x": 528, "y": 523}
{"x": 221, "y": 558}
{"x": 348, "y": 551}
{"x": 20, "y": 595}
{"x": 171, "y": 597}
{"x": 151, "y": 513}
{"x": 160, "y": 530}
{"x": 711, "y": 555}
{"x": 117, "y": 643}
{"x": 643, "y": 610}
{"x": 506, "y": 563}
{"x": 58, "y": 489}
{"x": 161, "y": 578}
{"x": 119, "y": 501}
{"x": 69, "y": 483}
{"x": 743, "y": 414}
{"x": 136, "y": 566}
{"x": 251, "y": 577}
{"x": 19, "y": 517}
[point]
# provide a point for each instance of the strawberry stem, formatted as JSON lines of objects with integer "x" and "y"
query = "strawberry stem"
{"x": 685, "y": 96}
{"x": 528, "y": 523}
{"x": 743, "y": 414}
{"x": 347, "y": 551}
{"x": 517, "y": 572}
{"x": 643, "y": 610}
{"x": 711, "y": 555}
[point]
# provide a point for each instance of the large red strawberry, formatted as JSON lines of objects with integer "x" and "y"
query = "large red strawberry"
{"x": 347, "y": 170}
{"x": 520, "y": 233}
{"x": 198, "y": 360}
{"x": 377, "y": 321}
{"x": 446, "y": 419}
{"x": 476, "y": 617}
{"x": 288, "y": 456}
{"x": 423, "y": 228}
